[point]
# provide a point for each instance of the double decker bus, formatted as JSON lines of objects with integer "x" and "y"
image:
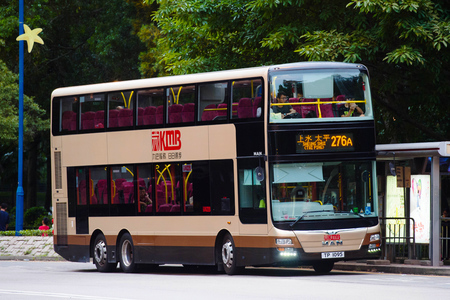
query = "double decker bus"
{"x": 265, "y": 166}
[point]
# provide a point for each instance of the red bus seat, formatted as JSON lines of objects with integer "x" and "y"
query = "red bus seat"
{"x": 87, "y": 120}
{"x": 99, "y": 119}
{"x": 175, "y": 113}
{"x": 245, "y": 108}
{"x": 188, "y": 112}
{"x": 159, "y": 116}
{"x": 209, "y": 113}
{"x": 140, "y": 116}
{"x": 113, "y": 118}
{"x": 125, "y": 117}
{"x": 149, "y": 115}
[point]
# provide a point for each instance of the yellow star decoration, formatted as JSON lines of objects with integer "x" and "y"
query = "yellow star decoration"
{"x": 30, "y": 36}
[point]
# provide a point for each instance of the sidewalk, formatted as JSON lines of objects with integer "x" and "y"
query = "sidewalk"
{"x": 383, "y": 266}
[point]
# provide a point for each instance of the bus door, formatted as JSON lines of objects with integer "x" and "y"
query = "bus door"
{"x": 252, "y": 196}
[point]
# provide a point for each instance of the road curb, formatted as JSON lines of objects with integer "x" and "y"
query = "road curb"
{"x": 393, "y": 268}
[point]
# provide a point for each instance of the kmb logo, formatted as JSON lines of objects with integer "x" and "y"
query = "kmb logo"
{"x": 167, "y": 140}
{"x": 332, "y": 240}
{"x": 332, "y": 237}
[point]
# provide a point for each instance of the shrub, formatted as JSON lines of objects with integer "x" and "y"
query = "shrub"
{"x": 33, "y": 217}
{"x": 33, "y": 232}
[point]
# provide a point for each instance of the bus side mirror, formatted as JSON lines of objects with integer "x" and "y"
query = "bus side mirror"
{"x": 259, "y": 172}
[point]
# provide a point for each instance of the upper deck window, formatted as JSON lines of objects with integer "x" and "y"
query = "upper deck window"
{"x": 92, "y": 111}
{"x": 213, "y": 101}
{"x": 150, "y": 105}
{"x": 120, "y": 109}
{"x": 67, "y": 107}
{"x": 246, "y": 98}
{"x": 181, "y": 104}
{"x": 308, "y": 95}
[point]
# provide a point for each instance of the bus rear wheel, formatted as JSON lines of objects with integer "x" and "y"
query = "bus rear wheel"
{"x": 323, "y": 267}
{"x": 229, "y": 256}
{"x": 126, "y": 247}
{"x": 101, "y": 255}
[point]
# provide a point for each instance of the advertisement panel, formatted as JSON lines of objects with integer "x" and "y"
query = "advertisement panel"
{"x": 420, "y": 207}
{"x": 395, "y": 208}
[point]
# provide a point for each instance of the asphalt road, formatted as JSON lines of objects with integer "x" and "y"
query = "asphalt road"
{"x": 64, "y": 280}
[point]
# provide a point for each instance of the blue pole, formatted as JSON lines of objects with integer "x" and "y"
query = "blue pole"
{"x": 20, "y": 193}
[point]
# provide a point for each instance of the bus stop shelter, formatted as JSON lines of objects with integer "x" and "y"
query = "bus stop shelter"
{"x": 420, "y": 170}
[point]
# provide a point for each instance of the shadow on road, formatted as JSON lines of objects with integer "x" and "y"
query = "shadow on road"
{"x": 212, "y": 271}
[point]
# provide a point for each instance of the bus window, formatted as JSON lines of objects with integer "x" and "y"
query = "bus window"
{"x": 122, "y": 189}
{"x": 213, "y": 101}
{"x": 298, "y": 96}
{"x": 147, "y": 103}
{"x": 181, "y": 104}
{"x": 98, "y": 186}
{"x": 252, "y": 197}
{"x": 332, "y": 190}
{"x": 120, "y": 109}
{"x": 68, "y": 108}
{"x": 246, "y": 99}
{"x": 168, "y": 188}
{"x": 92, "y": 109}
{"x": 187, "y": 187}
{"x": 145, "y": 188}
{"x": 82, "y": 188}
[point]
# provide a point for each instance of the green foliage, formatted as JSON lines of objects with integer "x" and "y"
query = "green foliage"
{"x": 34, "y": 116}
{"x": 404, "y": 44}
{"x": 33, "y": 217}
{"x": 32, "y": 232}
{"x": 85, "y": 42}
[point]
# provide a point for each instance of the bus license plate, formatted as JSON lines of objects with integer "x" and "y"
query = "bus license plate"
{"x": 339, "y": 254}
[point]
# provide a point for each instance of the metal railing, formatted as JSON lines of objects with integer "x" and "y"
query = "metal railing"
{"x": 399, "y": 239}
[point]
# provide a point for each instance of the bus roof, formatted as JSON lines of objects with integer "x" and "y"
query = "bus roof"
{"x": 197, "y": 77}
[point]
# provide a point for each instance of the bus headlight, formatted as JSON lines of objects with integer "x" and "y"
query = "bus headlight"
{"x": 287, "y": 252}
{"x": 375, "y": 237}
{"x": 284, "y": 242}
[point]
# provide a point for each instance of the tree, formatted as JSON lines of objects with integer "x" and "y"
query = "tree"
{"x": 34, "y": 122}
{"x": 404, "y": 44}
{"x": 85, "y": 42}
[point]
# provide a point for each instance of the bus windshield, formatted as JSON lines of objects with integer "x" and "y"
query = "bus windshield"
{"x": 322, "y": 190}
{"x": 308, "y": 95}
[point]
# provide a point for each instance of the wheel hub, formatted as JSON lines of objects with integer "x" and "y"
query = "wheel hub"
{"x": 100, "y": 253}
{"x": 227, "y": 254}
{"x": 127, "y": 253}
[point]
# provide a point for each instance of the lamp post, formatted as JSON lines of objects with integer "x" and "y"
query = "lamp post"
{"x": 20, "y": 193}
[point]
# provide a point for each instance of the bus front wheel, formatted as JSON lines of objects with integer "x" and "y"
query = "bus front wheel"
{"x": 127, "y": 254}
{"x": 229, "y": 256}
{"x": 101, "y": 255}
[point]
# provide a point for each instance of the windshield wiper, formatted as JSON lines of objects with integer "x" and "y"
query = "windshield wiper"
{"x": 308, "y": 212}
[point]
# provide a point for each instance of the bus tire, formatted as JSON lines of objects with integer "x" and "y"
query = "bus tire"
{"x": 126, "y": 249}
{"x": 323, "y": 267}
{"x": 100, "y": 255}
{"x": 228, "y": 254}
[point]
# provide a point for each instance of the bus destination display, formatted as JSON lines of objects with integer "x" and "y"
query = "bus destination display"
{"x": 324, "y": 142}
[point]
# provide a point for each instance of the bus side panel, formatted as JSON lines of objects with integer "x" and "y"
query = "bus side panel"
{"x": 175, "y": 255}
{"x": 72, "y": 247}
